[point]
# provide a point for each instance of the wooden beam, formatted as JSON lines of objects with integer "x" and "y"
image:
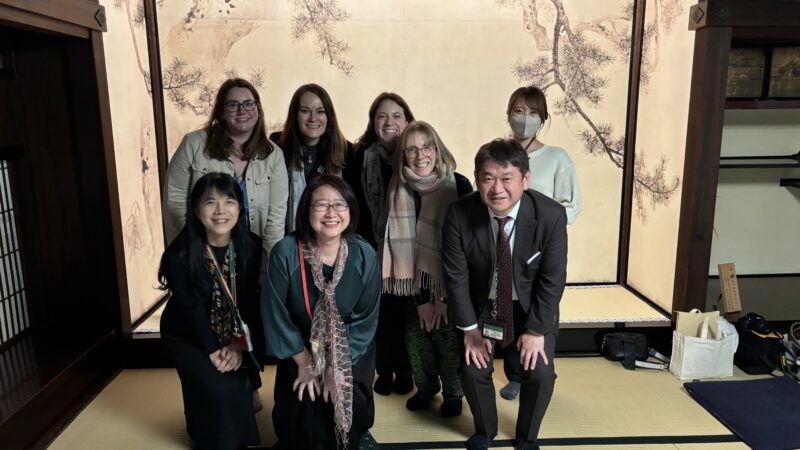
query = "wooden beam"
{"x": 34, "y": 22}
{"x": 87, "y": 14}
{"x": 113, "y": 189}
{"x": 157, "y": 92}
{"x": 630, "y": 141}
{"x": 701, "y": 167}
{"x": 744, "y": 13}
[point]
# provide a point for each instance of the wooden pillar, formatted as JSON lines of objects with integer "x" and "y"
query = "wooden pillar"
{"x": 630, "y": 141}
{"x": 701, "y": 167}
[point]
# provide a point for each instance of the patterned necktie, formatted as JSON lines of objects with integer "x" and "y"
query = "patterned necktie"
{"x": 505, "y": 308}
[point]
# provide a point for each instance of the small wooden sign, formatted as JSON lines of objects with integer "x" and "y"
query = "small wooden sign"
{"x": 730, "y": 288}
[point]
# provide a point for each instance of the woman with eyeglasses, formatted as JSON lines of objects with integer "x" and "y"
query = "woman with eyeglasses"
{"x": 234, "y": 141}
{"x": 424, "y": 185}
{"x": 312, "y": 142}
{"x": 212, "y": 321}
{"x": 552, "y": 174}
{"x": 368, "y": 171}
{"x": 320, "y": 310}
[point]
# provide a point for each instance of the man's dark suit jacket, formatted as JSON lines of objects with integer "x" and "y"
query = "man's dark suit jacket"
{"x": 469, "y": 259}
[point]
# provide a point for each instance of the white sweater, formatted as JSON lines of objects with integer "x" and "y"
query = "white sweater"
{"x": 553, "y": 174}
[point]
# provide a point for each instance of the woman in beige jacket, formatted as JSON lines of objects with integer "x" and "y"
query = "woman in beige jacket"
{"x": 234, "y": 142}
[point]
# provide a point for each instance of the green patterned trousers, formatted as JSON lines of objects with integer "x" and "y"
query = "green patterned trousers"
{"x": 434, "y": 356}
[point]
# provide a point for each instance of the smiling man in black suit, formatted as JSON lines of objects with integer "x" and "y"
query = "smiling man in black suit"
{"x": 505, "y": 263}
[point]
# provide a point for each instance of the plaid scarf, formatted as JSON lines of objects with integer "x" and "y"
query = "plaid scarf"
{"x": 329, "y": 343}
{"x": 412, "y": 248}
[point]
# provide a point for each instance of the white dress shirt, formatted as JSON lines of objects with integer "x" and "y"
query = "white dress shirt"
{"x": 512, "y": 235}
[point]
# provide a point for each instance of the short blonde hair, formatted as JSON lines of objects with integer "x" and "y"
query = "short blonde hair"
{"x": 445, "y": 163}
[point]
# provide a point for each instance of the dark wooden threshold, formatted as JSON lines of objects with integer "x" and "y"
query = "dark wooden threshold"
{"x": 49, "y": 376}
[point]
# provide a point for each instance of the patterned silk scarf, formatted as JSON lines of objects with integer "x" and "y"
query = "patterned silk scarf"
{"x": 329, "y": 343}
{"x": 224, "y": 315}
{"x": 412, "y": 248}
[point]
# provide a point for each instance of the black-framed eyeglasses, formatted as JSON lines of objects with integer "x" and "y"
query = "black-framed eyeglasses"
{"x": 425, "y": 150}
{"x": 323, "y": 206}
{"x": 233, "y": 106}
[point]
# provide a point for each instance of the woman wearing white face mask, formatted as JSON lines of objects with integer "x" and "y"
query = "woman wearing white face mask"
{"x": 552, "y": 174}
{"x": 552, "y": 170}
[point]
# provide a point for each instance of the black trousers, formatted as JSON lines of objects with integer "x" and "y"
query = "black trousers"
{"x": 391, "y": 355}
{"x": 309, "y": 425}
{"x": 535, "y": 394}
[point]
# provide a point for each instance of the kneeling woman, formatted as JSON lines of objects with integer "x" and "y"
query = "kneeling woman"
{"x": 211, "y": 270}
{"x": 320, "y": 311}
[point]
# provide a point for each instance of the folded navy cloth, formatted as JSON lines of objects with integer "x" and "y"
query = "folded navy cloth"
{"x": 764, "y": 413}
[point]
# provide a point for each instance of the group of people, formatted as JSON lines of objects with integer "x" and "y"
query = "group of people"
{"x": 340, "y": 260}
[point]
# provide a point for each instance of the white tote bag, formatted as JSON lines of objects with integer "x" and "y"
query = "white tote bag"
{"x": 703, "y": 345}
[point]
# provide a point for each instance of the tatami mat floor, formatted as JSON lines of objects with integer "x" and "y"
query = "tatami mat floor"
{"x": 597, "y": 404}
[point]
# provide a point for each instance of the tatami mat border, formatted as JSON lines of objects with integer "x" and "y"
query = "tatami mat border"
{"x": 565, "y": 442}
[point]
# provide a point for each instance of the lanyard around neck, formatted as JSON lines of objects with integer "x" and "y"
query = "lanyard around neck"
{"x": 303, "y": 277}
{"x": 232, "y": 271}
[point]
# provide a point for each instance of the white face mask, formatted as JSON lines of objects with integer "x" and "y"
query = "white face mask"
{"x": 525, "y": 126}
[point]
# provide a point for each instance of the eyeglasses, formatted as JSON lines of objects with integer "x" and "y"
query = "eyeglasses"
{"x": 425, "y": 150}
{"x": 323, "y": 206}
{"x": 233, "y": 106}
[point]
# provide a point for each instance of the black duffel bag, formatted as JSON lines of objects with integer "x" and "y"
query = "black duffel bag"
{"x": 632, "y": 349}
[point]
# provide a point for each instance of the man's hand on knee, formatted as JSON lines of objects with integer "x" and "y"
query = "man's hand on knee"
{"x": 477, "y": 348}
{"x": 531, "y": 346}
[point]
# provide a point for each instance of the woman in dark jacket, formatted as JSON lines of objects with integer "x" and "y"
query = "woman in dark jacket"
{"x": 211, "y": 270}
{"x": 369, "y": 170}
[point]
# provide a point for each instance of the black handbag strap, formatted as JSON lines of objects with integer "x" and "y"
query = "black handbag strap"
{"x": 631, "y": 363}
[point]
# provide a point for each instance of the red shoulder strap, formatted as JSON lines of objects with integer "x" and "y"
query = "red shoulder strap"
{"x": 303, "y": 276}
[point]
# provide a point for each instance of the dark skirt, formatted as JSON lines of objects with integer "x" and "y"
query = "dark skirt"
{"x": 309, "y": 425}
{"x": 218, "y": 406}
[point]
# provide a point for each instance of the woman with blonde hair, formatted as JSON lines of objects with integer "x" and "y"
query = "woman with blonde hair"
{"x": 424, "y": 185}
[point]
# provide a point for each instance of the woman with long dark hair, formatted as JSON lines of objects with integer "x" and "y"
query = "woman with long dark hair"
{"x": 312, "y": 142}
{"x": 211, "y": 270}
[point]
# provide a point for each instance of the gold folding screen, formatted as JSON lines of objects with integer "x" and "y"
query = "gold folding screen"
{"x": 133, "y": 123}
{"x": 660, "y": 145}
{"x": 456, "y": 64}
